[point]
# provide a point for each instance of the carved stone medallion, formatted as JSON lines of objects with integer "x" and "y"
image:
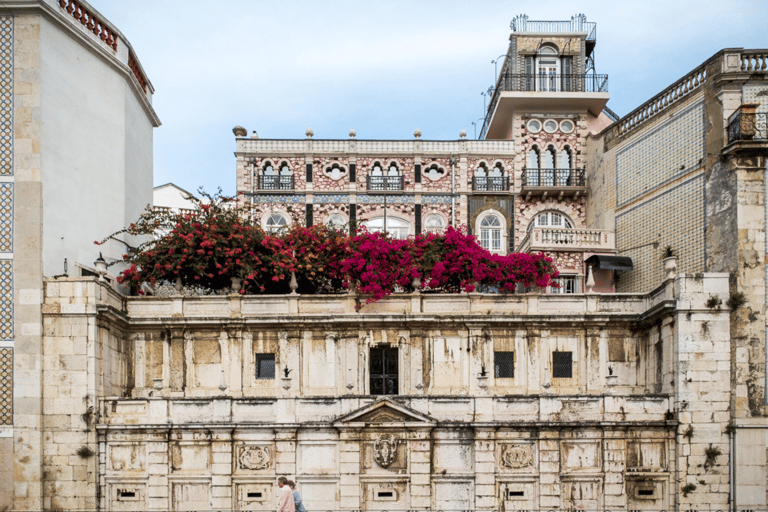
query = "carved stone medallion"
{"x": 385, "y": 450}
{"x": 516, "y": 456}
{"x": 255, "y": 457}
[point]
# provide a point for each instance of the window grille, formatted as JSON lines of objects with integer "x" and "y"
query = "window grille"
{"x": 562, "y": 365}
{"x": 504, "y": 365}
{"x": 265, "y": 366}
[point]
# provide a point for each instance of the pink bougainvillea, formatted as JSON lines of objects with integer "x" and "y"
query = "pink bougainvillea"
{"x": 217, "y": 242}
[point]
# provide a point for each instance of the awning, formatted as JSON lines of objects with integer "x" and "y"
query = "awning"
{"x": 605, "y": 262}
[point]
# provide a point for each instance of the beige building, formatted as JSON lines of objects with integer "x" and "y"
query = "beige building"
{"x": 76, "y": 124}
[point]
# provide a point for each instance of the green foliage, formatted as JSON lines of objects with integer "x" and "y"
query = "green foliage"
{"x": 736, "y": 300}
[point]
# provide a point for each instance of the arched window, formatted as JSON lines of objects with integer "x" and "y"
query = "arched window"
{"x": 376, "y": 170}
{"x": 397, "y": 228}
{"x": 336, "y": 221}
{"x": 284, "y": 169}
{"x": 547, "y": 68}
{"x": 491, "y": 231}
{"x": 393, "y": 170}
{"x": 275, "y": 222}
{"x": 556, "y": 222}
{"x": 434, "y": 172}
{"x": 497, "y": 171}
{"x": 532, "y": 171}
{"x": 434, "y": 224}
{"x": 268, "y": 169}
{"x": 335, "y": 171}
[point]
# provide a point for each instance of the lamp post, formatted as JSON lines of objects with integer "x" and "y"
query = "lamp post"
{"x": 495, "y": 70}
{"x": 474, "y": 125}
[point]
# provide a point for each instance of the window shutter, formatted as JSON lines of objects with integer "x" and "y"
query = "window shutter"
{"x": 352, "y": 171}
{"x": 309, "y": 173}
{"x": 567, "y": 68}
{"x": 418, "y": 175}
{"x": 530, "y": 71}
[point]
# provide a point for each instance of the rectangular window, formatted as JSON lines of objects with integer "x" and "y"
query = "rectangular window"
{"x": 383, "y": 370}
{"x": 309, "y": 173}
{"x": 504, "y": 365}
{"x": 265, "y": 366}
{"x": 562, "y": 365}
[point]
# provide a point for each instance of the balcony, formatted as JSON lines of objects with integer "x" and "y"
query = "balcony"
{"x": 568, "y": 240}
{"x": 746, "y": 124}
{"x": 267, "y": 182}
{"x": 542, "y": 93}
{"x": 385, "y": 183}
{"x": 490, "y": 183}
{"x": 544, "y": 182}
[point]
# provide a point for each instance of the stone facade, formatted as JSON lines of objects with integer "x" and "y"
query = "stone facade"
{"x": 155, "y": 403}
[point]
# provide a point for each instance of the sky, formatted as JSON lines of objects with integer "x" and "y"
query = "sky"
{"x": 384, "y": 68}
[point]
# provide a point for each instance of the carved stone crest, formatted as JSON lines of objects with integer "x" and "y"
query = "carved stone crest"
{"x": 516, "y": 456}
{"x": 385, "y": 450}
{"x": 255, "y": 457}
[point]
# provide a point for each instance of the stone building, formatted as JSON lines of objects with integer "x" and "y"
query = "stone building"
{"x": 76, "y": 123}
{"x": 571, "y": 398}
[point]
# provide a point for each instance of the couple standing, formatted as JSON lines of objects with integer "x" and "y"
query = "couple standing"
{"x": 289, "y": 499}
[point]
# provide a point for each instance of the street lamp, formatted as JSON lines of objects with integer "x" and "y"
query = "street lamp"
{"x": 474, "y": 124}
{"x": 494, "y": 62}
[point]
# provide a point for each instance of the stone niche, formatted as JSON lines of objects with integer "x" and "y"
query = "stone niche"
{"x": 518, "y": 494}
{"x": 580, "y": 456}
{"x": 126, "y": 457}
{"x": 645, "y": 493}
{"x": 255, "y": 495}
{"x": 127, "y": 494}
{"x": 582, "y": 493}
{"x": 386, "y": 494}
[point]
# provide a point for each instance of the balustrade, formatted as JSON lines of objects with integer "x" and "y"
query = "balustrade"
{"x": 553, "y": 178}
{"x": 91, "y": 22}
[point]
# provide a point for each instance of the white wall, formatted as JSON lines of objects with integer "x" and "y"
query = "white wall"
{"x": 96, "y": 152}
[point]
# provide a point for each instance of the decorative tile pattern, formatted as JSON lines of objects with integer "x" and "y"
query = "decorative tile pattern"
{"x": 380, "y": 199}
{"x": 6, "y": 386}
{"x": 659, "y": 220}
{"x": 756, "y": 94}
{"x": 272, "y": 199}
{"x": 6, "y": 217}
{"x": 6, "y": 299}
{"x": 436, "y": 199}
{"x": 670, "y": 150}
{"x": 331, "y": 198}
{"x": 6, "y": 95}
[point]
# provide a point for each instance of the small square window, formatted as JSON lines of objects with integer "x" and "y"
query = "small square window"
{"x": 265, "y": 366}
{"x": 504, "y": 365}
{"x": 562, "y": 365}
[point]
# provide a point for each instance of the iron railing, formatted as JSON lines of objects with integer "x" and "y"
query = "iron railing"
{"x": 275, "y": 182}
{"x": 553, "y": 178}
{"x": 748, "y": 126}
{"x": 577, "y": 23}
{"x": 542, "y": 83}
{"x": 490, "y": 183}
{"x": 385, "y": 182}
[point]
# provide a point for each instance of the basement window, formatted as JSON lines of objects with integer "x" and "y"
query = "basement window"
{"x": 265, "y": 366}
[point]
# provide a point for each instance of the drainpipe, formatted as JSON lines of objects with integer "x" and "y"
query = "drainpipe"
{"x": 732, "y": 469}
{"x": 453, "y": 191}
{"x": 252, "y": 161}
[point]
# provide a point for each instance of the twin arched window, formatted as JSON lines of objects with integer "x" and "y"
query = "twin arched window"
{"x": 547, "y": 170}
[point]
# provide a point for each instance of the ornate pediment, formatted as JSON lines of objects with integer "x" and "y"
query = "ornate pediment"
{"x": 385, "y": 411}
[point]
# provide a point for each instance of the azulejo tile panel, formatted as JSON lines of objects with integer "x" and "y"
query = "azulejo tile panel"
{"x": 6, "y": 95}
{"x": 659, "y": 221}
{"x": 274, "y": 199}
{"x": 6, "y": 217}
{"x": 435, "y": 199}
{"x": 6, "y": 299}
{"x": 331, "y": 198}
{"x": 380, "y": 199}
{"x": 6, "y": 386}
{"x": 668, "y": 151}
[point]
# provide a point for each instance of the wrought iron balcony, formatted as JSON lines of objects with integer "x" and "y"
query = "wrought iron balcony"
{"x": 490, "y": 183}
{"x": 385, "y": 182}
{"x": 553, "y": 178}
{"x": 577, "y": 23}
{"x": 275, "y": 182}
{"x": 553, "y": 83}
{"x": 747, "y": 125}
